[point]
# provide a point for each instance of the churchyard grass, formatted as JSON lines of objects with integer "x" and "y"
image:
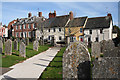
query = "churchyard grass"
{"x": 54, "y": 70}
{"x": 9, "y": 60}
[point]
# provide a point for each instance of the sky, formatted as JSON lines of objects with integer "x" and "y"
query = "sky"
{"x": 14, "y": 10}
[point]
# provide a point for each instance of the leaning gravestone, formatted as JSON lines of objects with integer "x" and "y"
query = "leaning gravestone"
{"x": 15, "y": 44}
{"x": 8, "y": 47}
{"x": 76, "y": 62}
{"x": 35, "y": 45}
{"x": 1, "y": 47}
{"x": 22, "y": 49}
{"x": 96, "y": 49}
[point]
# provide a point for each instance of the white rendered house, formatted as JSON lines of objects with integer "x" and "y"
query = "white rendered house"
{"x": 98, "y": 29}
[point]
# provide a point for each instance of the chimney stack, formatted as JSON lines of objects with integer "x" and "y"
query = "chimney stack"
{"x": 71, "y": 15}
{"x": 52, "y": 15}
{"x": 40, "y": 14}
{"x": 108, "y": 14}
{"x": 29, "y": 14}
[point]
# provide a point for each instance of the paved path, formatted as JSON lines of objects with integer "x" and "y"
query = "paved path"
{"x": 32, "y": 67}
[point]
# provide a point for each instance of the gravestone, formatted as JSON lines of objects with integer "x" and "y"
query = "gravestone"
{"x": 96, "y": 49}
{"x": 76, "y": 62}
{"x": 3, "y": 40}
{"x": 1, "y": 46}
{"x": 8, "y": 47}
{"x": 107, "y": 45}
{"x": 107, "y": 67}
{"x": 23, "y": 40}
{"x": 35, "y": 45}
{"x": 15, "y": 44}
{"x": 27, "y": 41}
{"x": 22, "y": 50}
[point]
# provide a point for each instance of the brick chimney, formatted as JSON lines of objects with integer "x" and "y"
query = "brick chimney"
{"x": 52, "y": 15}
{"x": 40, "y": 14}
{"x": 109, "y": 14}
{"x": 29, "y": 14}
{"x": 71, "y": 15}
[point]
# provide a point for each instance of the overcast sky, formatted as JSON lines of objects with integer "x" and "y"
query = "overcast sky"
{"x": 13, "y": 10}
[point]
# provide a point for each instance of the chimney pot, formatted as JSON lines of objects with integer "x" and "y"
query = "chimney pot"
{"x": 29, "y": 14}
{"x": 71, "y": 15}
{"x": 108, "y": 14}
{"x": 40, "y": 14}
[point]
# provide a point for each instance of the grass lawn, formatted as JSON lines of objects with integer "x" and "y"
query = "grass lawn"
{"x": 9, "y": 60}
{"x": 54, "y": 70}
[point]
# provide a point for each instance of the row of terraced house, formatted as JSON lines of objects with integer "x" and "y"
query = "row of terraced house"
{"x": 64, "y": 27}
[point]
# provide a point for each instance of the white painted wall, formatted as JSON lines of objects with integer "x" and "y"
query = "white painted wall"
{"x": 96, "y": 33}
{"x": 56, "y": 34}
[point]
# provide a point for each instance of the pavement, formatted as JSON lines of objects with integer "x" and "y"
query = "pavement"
{"x": 31, "y": 68}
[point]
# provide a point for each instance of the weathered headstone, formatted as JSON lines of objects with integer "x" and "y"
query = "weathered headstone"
{"x": 8, "y": 47}
{"x": 76, "y": 62}
{"x": 22, "y": 50}
{"x": 35, "y": 45}
{"x": 27, "y": 41}
{"x": 1, "y": 46}
{"x": 107, "y": 45}
{"x": 107, "y": 67}
{"x": 96, "y": 49}
{"x": 15, "y": 44}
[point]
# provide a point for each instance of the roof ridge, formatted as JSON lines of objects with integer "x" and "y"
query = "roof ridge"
{"x": 98, "y": 17}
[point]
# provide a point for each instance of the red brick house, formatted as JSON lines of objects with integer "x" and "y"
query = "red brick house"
{"x": 25, "y": 27}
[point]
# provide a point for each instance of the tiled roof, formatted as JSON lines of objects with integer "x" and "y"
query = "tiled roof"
{"x": 58, "y": 21}
{"x": 98, "y": 22}
{"x": 77, "y": 22}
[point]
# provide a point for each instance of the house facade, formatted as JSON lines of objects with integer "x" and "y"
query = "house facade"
{"x": 54, "y": 27}
{"x": 26, "y": 27}
{"x": 74, "y": 31}
{"x": 98, "y": 29}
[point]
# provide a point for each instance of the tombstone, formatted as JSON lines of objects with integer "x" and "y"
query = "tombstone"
{"x": 40, "y": 42}
{"x": 8, "y": 47}
{"x": 76, "y": 62}
{"x": 107, "y": 45}
{"x": 96, "y": 49}
{"x": 18, "y": 40}
{"x": 3, "y": 40}
{"x": 27, "y": 41}
{"x": 35, "y": 45}
{"x": 23, "y": 40}
{"x": 15, "y": 44}
{"x": 1, "y": 47}
{"x": 22, "y": 50}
